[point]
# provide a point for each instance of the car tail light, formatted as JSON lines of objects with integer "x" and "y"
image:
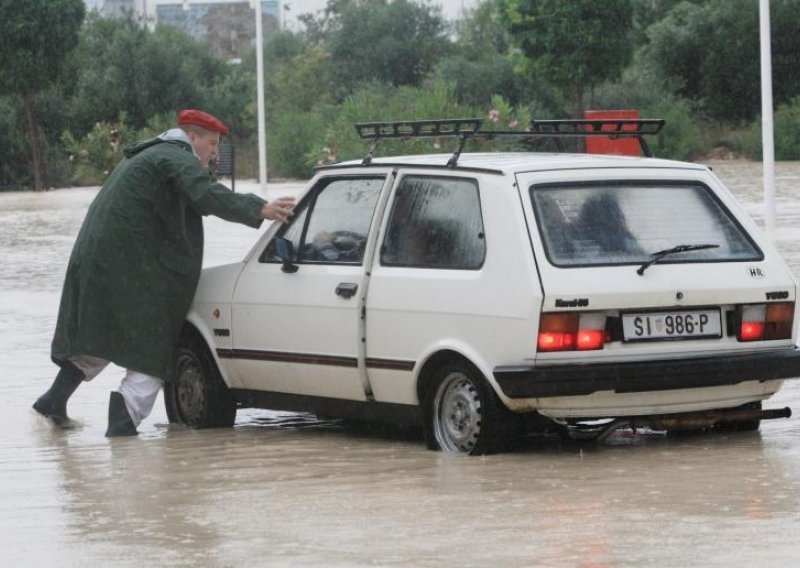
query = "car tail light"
{"x": 571, "y": 331}
{"x": 591, "y": 339}
{"x": 761, "y": 322}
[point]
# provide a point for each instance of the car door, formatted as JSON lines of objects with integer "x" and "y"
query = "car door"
{"x": 427, "y": 286}
{"x": 297, "y": 331}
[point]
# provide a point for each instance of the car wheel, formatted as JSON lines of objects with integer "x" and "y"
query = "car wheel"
{"x": 199, "y": 397}
{"x": 742, "y": 425}
{"x": 462, "y": 412}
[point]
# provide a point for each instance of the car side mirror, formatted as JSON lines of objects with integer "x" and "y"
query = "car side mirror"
{"x": 285, "y": 251}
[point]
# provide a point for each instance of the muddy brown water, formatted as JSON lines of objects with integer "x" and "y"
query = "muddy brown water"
{"x": 283, "y": 489}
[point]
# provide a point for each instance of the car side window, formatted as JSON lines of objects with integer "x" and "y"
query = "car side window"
{"x": 332, "y": 223}
{"x": 294, "y": 231}
{"x": 435, "y": 222}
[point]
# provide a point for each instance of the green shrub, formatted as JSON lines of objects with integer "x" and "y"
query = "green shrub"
{"x": 95, "y": 155}
{"x": 14, "y": 155}
{"x": 787, "y": 131}
{"x": 435, "y": 100}
{"x": 290, "y": 139}
{"x": 786, "y": 122}
{"x": 679, "y": 139}
{"x": 640, "y": 88}
{"x": 476, "y": 79}
{"x": 58, "y": 170}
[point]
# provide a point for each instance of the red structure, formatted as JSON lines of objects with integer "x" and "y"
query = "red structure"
{"x": 605, "y": 145}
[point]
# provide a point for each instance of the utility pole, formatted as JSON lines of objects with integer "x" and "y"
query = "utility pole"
{"x": 767, "y": 137}
{"x": 262, "y": 132}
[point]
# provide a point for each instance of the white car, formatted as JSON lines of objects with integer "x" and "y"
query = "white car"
{"x": 469, "y": 293}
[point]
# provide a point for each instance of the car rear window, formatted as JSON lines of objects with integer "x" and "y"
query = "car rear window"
{"x": 625, "y": 223}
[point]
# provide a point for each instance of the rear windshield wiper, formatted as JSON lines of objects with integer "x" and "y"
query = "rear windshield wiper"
{"x": 657, "y": 256}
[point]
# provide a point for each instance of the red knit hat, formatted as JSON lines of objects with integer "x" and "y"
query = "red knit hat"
{"x": 203, "y": 120}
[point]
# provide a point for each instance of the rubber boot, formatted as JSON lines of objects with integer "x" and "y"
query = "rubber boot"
{"x": 120, "y": 422}
{"x": 53, "y": 403}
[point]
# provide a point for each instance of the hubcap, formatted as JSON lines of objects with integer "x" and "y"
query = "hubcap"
{"x": 190, "y": 392}
{"x": 457, "y": 413}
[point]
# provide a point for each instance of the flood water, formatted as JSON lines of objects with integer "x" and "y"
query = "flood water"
{"x": 283, "y": 489}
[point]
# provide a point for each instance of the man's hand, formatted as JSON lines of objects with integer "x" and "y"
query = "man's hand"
{"x": 279, "y": 209}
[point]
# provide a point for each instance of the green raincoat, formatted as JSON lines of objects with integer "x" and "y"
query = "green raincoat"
{"x": 137, "y": 259}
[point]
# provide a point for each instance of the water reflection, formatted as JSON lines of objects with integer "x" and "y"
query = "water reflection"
{"x": 293, "y": 490}
{"x": 128, "y": 502}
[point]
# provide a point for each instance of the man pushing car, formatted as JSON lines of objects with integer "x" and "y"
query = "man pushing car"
{"x": 135, "y": 266}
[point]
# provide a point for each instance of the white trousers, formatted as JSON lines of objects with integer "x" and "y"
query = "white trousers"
{"x": 138, "y": 390}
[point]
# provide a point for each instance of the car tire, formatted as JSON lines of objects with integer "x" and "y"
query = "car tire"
{"x": 462, "y": 413}
{"x": 199, "y": 397}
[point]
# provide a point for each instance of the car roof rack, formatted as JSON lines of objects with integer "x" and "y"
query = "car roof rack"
{"x": 465, "y": 128}
{"x": 610, "y": 127}
{"x": 460, "y": 127}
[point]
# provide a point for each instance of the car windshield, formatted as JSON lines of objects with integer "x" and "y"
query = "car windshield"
{"x": 626, "y": 223}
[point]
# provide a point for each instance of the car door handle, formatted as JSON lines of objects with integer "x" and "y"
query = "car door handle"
{"x": 346, "y": 290}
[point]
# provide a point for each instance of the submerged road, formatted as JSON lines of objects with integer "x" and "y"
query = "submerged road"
{"x": 282, "y": 489}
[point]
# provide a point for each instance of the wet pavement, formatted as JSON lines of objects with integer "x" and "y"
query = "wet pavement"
{"x": 283, "y": 489}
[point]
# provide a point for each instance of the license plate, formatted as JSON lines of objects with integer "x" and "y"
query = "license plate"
{"x": 672, "y": 325}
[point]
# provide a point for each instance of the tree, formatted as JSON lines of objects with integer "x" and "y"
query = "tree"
{"x": 12, "y": 147}
{"x": 395, "y": 42}
{"x": 121, "y": 65}
{"x": 35, "y": 38}
{"x": 482, "y": 31}
{"x": 713, "y": 51}
{"x": 785, "y": 49}
{"x": 576, "y": 44}
{"x": 475, "y": 80}
{"x": 301, "y": 82}
{"x": 648, "y": 12}
{"x": 479, "y": 66}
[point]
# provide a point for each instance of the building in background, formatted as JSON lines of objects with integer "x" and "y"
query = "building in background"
{"x": 226, "y": 25}
{"x": 112, "y": 8}
{"x": 287, "y": 11}
{"x": 229, "y": 25}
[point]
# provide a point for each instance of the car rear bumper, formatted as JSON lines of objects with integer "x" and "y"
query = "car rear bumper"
{"x": 646, "y": 376}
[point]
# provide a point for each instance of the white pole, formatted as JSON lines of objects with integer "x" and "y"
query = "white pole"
{"x": 767, "y": 139}
{"x": 262, "y": 133}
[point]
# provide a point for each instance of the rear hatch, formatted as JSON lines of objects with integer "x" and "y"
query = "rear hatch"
{"x": 644, "y": 263}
